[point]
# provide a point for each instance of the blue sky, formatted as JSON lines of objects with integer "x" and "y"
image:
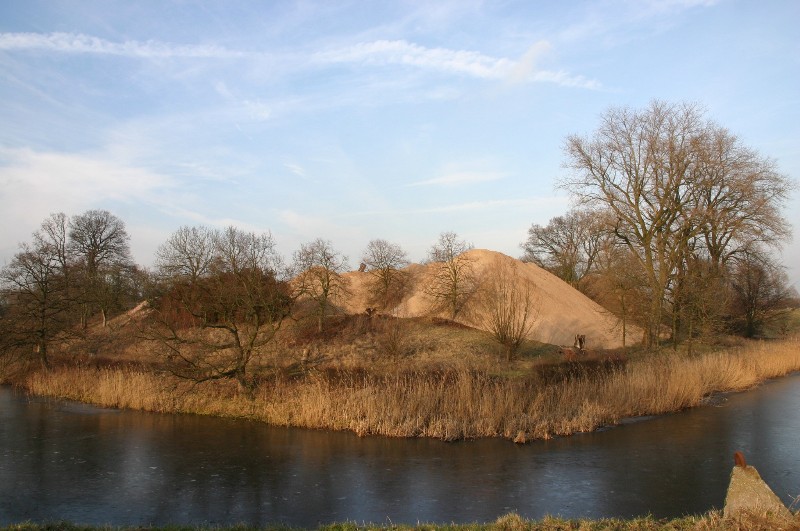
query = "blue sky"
{"x": 358, "y": 120}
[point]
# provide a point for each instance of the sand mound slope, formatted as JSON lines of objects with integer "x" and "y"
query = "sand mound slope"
{"x": 562, "y": 310}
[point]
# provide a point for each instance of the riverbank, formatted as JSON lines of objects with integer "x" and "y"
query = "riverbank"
{"x": 444, "y": 403}
{"x": 712, "y": 521}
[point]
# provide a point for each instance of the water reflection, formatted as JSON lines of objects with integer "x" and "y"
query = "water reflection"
{"x": 71, "y": 462}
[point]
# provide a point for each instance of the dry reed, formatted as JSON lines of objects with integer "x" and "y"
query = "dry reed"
{"x": 710, "y": 521}
{"x": 447, "y": 405}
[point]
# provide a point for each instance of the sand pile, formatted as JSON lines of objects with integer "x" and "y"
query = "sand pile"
{"x": 562, "y": 311}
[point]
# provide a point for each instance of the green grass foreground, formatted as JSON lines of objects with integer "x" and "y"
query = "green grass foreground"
{"x": 510, "y": 522}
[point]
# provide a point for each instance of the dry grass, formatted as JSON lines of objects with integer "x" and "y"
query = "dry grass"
{"x": 712, "y": 521}
{"x": 448, "y": 404}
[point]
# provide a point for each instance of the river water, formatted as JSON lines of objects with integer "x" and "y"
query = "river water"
{"x": 67, "y": 461}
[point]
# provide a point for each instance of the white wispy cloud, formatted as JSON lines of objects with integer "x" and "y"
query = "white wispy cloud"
{"x": 402, "y": 52}
{"x": 463, "y": 62}
{"x": 74, "y": 176}
{"x": 296, "y": 169}
{"x": 660, "y": 6}
{"x": 457, "y": 178}
{"x": 34, "y": 184}
{"x": 527, "y": 64}
{"x": 527, "y": 70}
{"x": 565, "y": 79}
{"x": 493, "y": 204}
{"x": 555, "y": 203}
{"x": 375, "y": 53}
{"x": 79, "y": 43}
{"x": 258, "y": 110}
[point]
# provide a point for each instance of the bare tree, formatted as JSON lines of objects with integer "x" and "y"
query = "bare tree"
{"x": 568, "y": 245}
{"x": 453, "y": 279}
{"x": 214, "y": 324}
{"x": 759, "y": 287}
{"x": 99, "y": 242}
{"x": 683, "y": 192}
{"x": 508, "y": 306}
{"x": 187, "y": 254}
{"x": 10, "y": 353}
{"x": 621, "y": 286}
{"x": 35, "y": 289}
{"x": 740, "y": 195}
{"x": 99, "y": 238}
{"x": 319, "y": 269}
{"x": 53, "y": 235}
{"x": 384, "y": 263}
{"x": 638, "y": 165}
{"x": 700, "y": 299}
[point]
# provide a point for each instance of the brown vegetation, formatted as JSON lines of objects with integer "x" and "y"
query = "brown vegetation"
{"x": 227, "y": 331}
{"x": 685, "y": 203}
{"x": 711, "y": 521}
{"x": 446, "y": 401}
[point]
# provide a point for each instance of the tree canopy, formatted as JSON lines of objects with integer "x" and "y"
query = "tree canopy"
{"x": 679, "y": 190}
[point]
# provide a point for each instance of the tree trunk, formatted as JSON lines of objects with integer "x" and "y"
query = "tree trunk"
{"x": 624, "y": 321}
{"x": 245, "y": 387}
{"x": 41, "y": 350}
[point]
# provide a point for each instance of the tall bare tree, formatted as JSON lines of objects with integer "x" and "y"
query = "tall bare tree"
{"x": 214, "y": 324}
{"x": 568, "y": 245}
{"x": 453, "y": 280}
{"x": 319, "y": 269}
{"x": 188, "y": 254}
{"x": 384, "y": 263}
{"x": 621, "y": 287}
{"x": 637, "y": 165}
{"x": 740, "y": 195}
{"x": 700, "y": 298}
{"x": 759, "y": 287}
{"x": 53, "y": 235}
{"x": 36, "y": 292}
{"x": 508, "y": 307}
{"x": 99, "y": 243}
{"x": 679, "y": 187}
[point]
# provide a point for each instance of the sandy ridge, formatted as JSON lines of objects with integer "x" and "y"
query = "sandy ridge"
{"x": 563, "y": 311}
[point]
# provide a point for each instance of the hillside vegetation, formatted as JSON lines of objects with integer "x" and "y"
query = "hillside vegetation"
{"x": 470, "y": 344}
{"x": 561, "y": 311}
{"x": 408, "y": 377}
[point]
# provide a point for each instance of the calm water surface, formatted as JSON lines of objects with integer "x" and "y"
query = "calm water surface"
{"x": 66, "y": 461}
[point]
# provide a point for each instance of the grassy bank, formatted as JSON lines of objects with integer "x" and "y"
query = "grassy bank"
{"x": 712, "y": 521}
{"x": 447, "y": 404}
